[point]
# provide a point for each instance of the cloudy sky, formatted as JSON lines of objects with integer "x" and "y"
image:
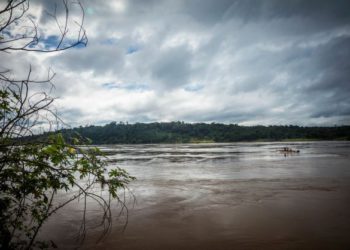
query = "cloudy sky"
{"x": 232, "y": 61}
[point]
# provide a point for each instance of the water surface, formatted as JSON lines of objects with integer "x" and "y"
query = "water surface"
{"x": 232, "y": 195}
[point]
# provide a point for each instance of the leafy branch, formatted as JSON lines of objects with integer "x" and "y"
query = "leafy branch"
{"x": 33, "y": 173}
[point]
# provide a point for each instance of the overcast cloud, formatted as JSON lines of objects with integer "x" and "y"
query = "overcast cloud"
{"x": 232, "y": 61}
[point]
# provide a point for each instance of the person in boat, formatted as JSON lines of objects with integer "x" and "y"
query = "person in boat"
{"x": 289, "y": 150}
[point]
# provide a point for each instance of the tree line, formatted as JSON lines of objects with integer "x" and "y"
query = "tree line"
{"x": 181, "y": 132}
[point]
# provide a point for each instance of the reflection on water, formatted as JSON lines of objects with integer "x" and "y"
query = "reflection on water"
{"x": 246, "y": 195}
{"x": 231, "y": 160}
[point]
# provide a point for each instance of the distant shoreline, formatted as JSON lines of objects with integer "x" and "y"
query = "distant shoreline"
{"x": 257, "y": 141}
{"x": 180, "y": 132}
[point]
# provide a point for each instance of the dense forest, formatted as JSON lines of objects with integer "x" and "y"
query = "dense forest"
{"x": 180, "y": 132}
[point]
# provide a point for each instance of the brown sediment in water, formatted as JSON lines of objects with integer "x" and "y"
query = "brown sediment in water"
{"x": 229, "y": 214}
{"x": 224, "y": 196}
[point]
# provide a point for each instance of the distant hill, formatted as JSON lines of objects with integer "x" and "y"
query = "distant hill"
{"x": 180, "y": 132}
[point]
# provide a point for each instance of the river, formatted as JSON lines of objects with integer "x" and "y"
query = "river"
{"x": 224, "y": 196}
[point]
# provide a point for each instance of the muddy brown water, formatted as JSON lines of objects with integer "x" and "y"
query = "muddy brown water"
{"x": 223, "y": 196}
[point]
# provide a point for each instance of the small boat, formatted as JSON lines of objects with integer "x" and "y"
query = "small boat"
{"x": 286, "y": 150}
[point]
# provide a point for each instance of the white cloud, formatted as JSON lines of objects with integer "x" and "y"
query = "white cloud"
{"x": 225, "y": 61}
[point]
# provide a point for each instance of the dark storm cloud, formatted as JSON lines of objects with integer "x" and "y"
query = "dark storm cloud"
{"x": 173, "y": 68}
{"x": 99, "y": 59}
{"x": 332, "y": 60}
{"x": 322, "y": 12}
{"x": 246, "y": 61}
{"x": 56, "y": 8}
{"x": 329, "y": 67}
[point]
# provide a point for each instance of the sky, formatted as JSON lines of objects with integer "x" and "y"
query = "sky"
{"x": 246, "y": 62}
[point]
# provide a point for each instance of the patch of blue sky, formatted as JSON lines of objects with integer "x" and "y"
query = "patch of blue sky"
{"x": 6, "y": 34}
{"x": 127, "y": 86}
{"x": 80, "y": 45}
{"x": 33, "y": 44}
{"x": 69, "y": 42}
{"x": 51, "y": 42}
{"x": 193, "y": 87}
{"x": 132, "y": 49}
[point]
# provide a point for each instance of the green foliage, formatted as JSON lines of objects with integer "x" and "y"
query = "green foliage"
{"x": 32, "y": 173}
{"x": 180, "y": 132}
